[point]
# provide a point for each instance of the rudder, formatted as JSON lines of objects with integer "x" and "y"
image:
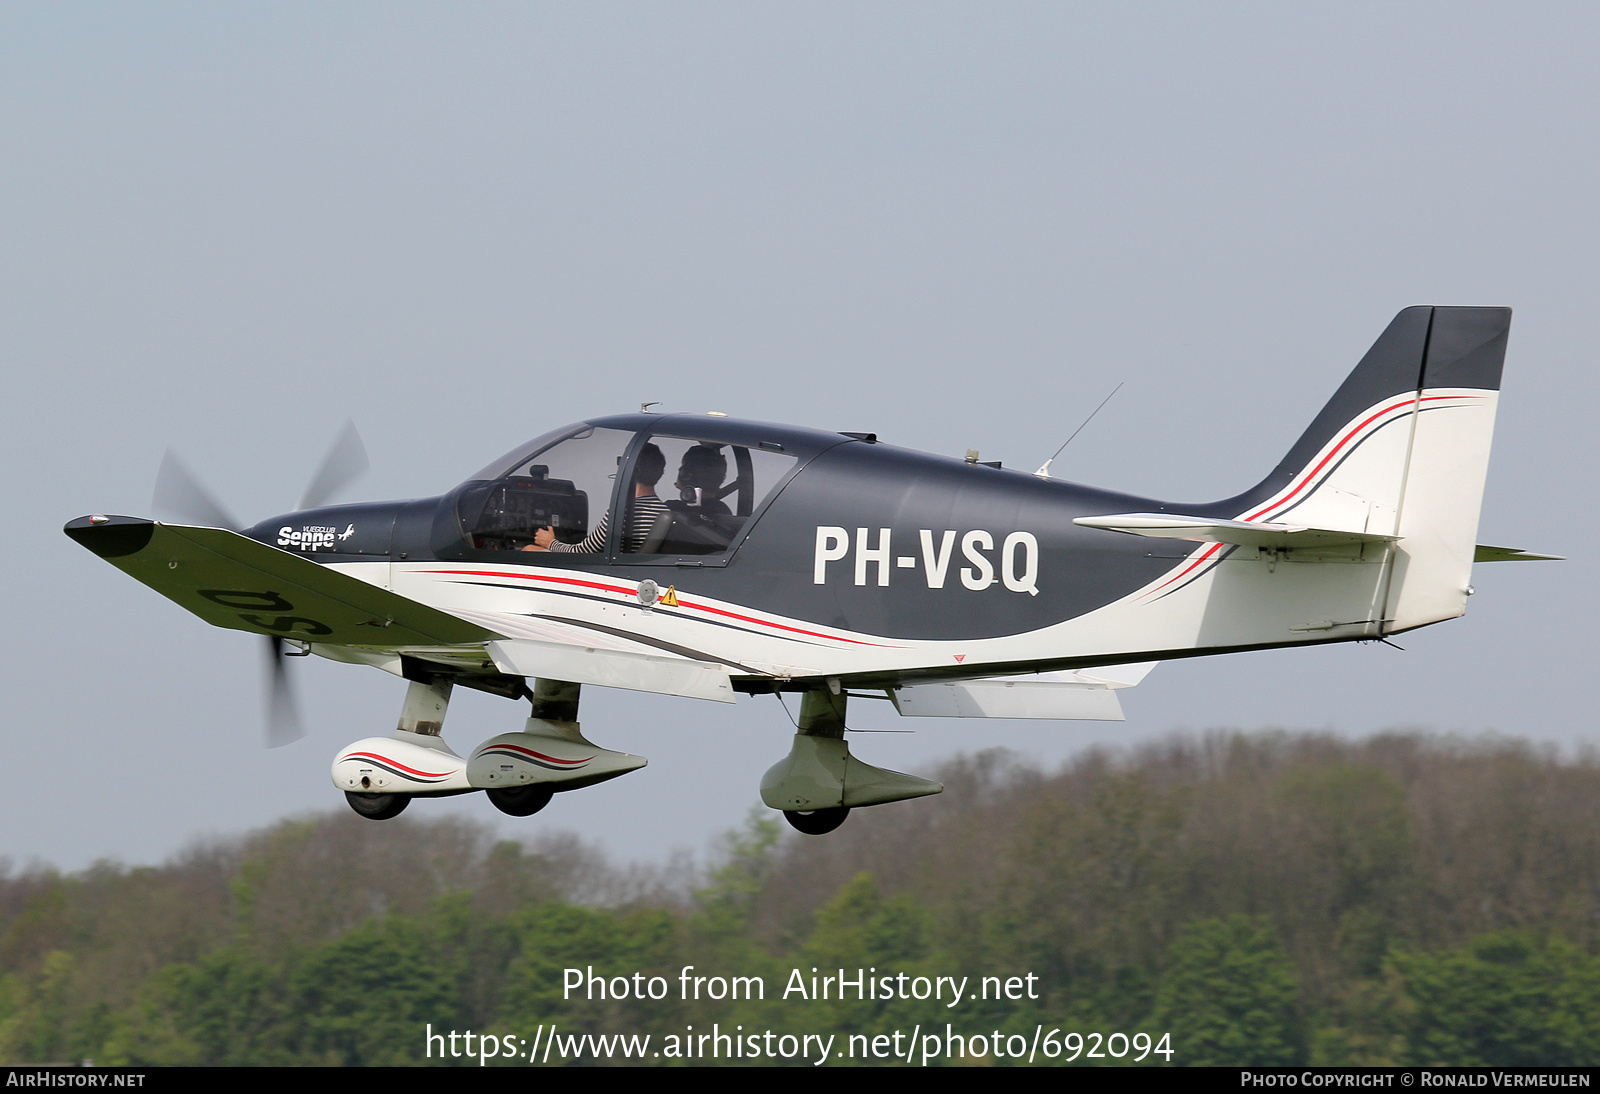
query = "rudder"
{"x": 1448, "y": 464}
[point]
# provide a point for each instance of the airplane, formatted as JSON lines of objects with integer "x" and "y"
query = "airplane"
{"x": 835, "y": 566}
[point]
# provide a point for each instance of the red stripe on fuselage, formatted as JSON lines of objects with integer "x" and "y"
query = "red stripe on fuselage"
{"x": 1209, "y": 551}
{"x": 682, "y": 603}
{"x": 1411, "y": 400}
{"x": 780, "y": 626}
{"x": 539, "y": 577}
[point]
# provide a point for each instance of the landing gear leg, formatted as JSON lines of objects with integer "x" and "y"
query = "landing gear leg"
{"x": 555, "y": 700}
{"x": 425, "y": 706}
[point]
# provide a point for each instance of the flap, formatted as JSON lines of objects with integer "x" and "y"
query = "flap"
{"x": 1110, "y": 676}
{"x": 1083, "y": 695}
{"x": 1020, "y": 698}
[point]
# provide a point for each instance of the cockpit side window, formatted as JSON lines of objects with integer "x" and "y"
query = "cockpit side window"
{"x": 710, "y": 489}
{"x": 563, "y": 481}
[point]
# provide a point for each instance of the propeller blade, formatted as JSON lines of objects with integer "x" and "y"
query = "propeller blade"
{"x": 180, "y": 497}
{"x": 343, "y": 464}
{"x": 283, "y": 712}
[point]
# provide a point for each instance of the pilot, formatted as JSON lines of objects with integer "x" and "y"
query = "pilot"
{"x": 700, "y": 476}
{"x": 643, "y": 508}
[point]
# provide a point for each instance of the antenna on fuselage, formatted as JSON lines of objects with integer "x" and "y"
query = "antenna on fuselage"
{"x": 1044, "y": 469}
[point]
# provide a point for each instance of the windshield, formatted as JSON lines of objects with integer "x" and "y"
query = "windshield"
{"x": 524, "y": 452}
{"x": 686, "y": 495}
{"x": 561, "y": 482}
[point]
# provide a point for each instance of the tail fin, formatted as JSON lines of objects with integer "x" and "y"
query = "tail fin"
{"x": 1402, "y": 449}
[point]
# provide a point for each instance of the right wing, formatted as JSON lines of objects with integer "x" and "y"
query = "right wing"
{"x": 234, "y": 581}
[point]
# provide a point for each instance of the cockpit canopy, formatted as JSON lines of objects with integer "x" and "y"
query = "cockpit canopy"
{"x": 620, "y": 492}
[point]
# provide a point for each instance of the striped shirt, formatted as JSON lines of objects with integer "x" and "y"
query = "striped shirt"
{"x": 642, "y": 514}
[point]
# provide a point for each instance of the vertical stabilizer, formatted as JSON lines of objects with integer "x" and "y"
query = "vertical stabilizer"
{"x": 1402, "y": 449}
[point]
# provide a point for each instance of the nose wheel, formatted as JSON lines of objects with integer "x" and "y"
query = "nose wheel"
{"x": 817, "y": 822}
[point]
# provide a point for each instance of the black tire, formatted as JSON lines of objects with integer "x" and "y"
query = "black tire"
{"x": 378, "y": 806}
{"x": 817, "y": 822}
{"x": 521, "y": 801}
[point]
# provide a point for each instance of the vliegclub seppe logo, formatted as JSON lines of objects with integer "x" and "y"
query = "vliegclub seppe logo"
{"x": 313, "y": 537}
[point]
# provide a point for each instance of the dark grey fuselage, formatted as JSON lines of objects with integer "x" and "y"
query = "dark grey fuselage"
{"x": 896, "y": 514}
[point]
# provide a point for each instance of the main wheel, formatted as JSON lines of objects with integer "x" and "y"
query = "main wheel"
{"x": 818, "y": 821}
{"x": 521, "y": 801}
{"x": 377, "y": 806}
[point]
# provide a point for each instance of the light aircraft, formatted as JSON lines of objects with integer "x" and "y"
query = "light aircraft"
{"x": 778, "y": 559}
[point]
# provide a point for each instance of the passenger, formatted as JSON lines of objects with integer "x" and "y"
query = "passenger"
{"x": 700, "y": 476}
{"x": 642, "y": 508}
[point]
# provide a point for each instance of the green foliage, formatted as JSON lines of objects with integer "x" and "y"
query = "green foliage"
{"x": 366, "y": 997}
{"x": 1228, "y": 996}
{"x": 228, "y": 1009}
{"x": 748, "y": 860}
{"x": 35, "y": 1019}
{"x": 600, "y": 943}
{"x": 1510, "y": 998}
{"x": 859, "y": 927}
{"x": 1269, "y": 899}
{"x": 860, "y": 933}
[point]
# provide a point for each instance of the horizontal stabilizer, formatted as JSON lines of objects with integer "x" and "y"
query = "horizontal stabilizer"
{"x": 1085, "y": 695}
{"x": 1285, "y": 537}
{"x": 1485, "y": 553}
{"x": 233, "y": 581}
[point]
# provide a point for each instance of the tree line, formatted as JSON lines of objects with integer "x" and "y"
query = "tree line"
{"x": 1264, "y": 899}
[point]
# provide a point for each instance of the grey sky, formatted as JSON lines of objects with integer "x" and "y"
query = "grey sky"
{"x": 229, "y": 227}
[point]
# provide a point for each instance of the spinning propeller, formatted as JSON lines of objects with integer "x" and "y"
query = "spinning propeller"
{"x": 180, "y": 497}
